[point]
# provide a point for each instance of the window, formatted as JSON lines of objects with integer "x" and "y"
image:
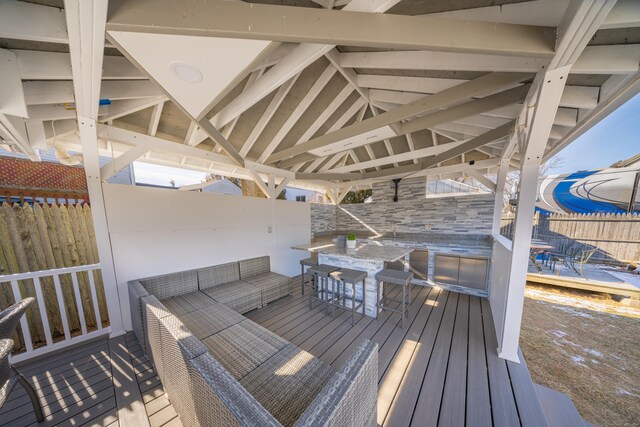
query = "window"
{"x": 301, "y": 198}
{"x": 449, "y": 187}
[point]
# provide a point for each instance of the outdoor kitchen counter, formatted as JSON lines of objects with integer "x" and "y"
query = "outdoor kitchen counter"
{"x": 367, "y": 251}
{"x": 369, "y": 257}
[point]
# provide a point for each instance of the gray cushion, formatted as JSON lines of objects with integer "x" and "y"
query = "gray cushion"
{"x": 253, "y": 266}
{"x": 240, "y": 296}
{"x": 169, "y": 285}
{"x": 243, "y": 347}
{"x": 218, "y": 274}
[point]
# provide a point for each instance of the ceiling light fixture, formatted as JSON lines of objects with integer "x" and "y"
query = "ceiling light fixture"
{"x": 186, "y": 72}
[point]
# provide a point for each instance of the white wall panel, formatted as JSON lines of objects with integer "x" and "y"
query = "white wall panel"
{"x": 156, "y": 231}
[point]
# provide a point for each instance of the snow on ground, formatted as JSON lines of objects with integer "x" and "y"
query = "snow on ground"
{"x": 568, "y": 303}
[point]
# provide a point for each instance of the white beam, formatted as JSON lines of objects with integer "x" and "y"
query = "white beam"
{"x": 625, "y": 14}
{"x": 58, "y": 92}
{"x": 360, "y": 104}
{"x": 328, "y": 111}
{"x": 614, "y": 59}
{"x": 39, "y": 65}
{"x": 13, "y": 130}
{"x": 122, "y": 161}
{"x": 268, "y": 22}
{"x": 189, "y": 137}
{"x": 483, "y": 179}
{"x": 33, "y": 22}
{"x": 412, "y": 147}
{"x": 267, "y": 115}
{"x": 402, "y": 157}
{"x": 12, "y": 99}
{"x": 260, "y": 183}
{"x": 281, "y": 187}
{"x": 445, "y": 98}
{"x": 352, "y": 78}
{"x": 406, "y": 84}
{"x": 302, "y": 106}
{"x": 129, "y": 106}
{"x": 156, "y": 113}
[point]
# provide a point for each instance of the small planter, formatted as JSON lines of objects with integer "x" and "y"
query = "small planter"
{"x": 351, "y": 244}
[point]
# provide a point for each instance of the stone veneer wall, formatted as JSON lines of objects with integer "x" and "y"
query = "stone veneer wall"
{"x": 412, "y": 213}
{"x": 323, "y": 219}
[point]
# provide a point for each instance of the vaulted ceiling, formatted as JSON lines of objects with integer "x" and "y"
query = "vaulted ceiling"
{"x": 324, "y": 92}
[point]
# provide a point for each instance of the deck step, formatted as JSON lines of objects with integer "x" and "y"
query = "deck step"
{"x": 558, "y": 408}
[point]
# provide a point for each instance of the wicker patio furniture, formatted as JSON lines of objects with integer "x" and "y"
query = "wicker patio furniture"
{"x": 221, "y": 369}
{"x": 396, "y": 277}
{"x": 9, "y": 375}
{"x": 345, "y": 283}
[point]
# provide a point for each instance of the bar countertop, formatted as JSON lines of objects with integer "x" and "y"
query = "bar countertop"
{"x": 370, "y": 251}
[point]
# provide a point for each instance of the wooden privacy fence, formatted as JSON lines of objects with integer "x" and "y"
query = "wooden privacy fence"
{"x": 617, "y": 236}
{"x": 37, "y": 238}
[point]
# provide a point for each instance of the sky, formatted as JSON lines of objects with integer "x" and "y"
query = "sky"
{"x": 162, "y": 175}
{"x": 616, "y": 137}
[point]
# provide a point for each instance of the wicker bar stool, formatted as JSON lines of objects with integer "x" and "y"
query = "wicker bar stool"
{"x": 307, "y": 262}
{"x": 396, "y": 277}
{"x": 343, "y": 278}
{"x": 321, "y": 274}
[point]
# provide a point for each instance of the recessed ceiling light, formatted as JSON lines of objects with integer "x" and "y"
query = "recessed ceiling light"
{"x": 186, "y": 72}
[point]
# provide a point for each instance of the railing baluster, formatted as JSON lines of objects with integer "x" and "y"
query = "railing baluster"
{"x": 26, "y": 333}
{"x": 43, "y": 310}
{"x": 62, "y": 306}
{"x": 94, "y": 299}
{"x": 76, "y": 291}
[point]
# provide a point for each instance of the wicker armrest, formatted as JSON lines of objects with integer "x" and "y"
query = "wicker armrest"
{"x": 350, "y": 397}
{"x": 220, "y": 400}
{"x": 136, "y": 291}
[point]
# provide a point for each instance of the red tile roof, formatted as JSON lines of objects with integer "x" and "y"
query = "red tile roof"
{"x": 25, "y": 174}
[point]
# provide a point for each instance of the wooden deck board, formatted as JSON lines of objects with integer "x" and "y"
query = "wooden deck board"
{"x": 503, "y": 405}
{"x": 103, "y": 382}
{"x": 478, "y": 404}
{"x": 455, "y": 387}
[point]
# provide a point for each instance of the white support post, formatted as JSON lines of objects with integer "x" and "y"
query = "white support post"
{"x": 538, "y": 126}
{"x": 115, "y": 299}
{"x": 85, "y": 26}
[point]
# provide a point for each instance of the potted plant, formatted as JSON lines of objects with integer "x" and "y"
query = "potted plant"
{"x": 351, "y": 241}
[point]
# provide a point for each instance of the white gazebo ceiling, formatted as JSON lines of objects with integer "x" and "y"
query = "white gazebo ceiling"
{"x": 314, "y": 95}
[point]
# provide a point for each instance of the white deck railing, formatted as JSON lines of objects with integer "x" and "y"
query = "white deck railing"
{"x": 69, "y": 339}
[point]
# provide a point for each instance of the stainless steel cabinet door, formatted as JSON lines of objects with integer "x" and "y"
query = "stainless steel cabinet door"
{"x": 446, "y": 269}
{"x": 473, "y": 273}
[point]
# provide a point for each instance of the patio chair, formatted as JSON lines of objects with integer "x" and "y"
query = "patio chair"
{"x": 580, "y": 258}
{"x": 9, "y": 375}
{"x": 567, "y": 250}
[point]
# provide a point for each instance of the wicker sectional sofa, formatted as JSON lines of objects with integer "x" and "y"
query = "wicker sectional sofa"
{"x": 221, "y": 369}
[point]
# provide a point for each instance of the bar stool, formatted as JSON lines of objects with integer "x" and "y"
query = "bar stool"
{"x": 345, "y": 277}
{"x": 307, "y": 262}
{"x": 321, "y": 274}
{"x": 396, "y": 277}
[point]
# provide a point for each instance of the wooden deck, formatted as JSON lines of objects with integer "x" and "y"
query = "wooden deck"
{"x": 105, "y": 382}
{"x": 594, "y": 279}
{"x": 442, "y": 369}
